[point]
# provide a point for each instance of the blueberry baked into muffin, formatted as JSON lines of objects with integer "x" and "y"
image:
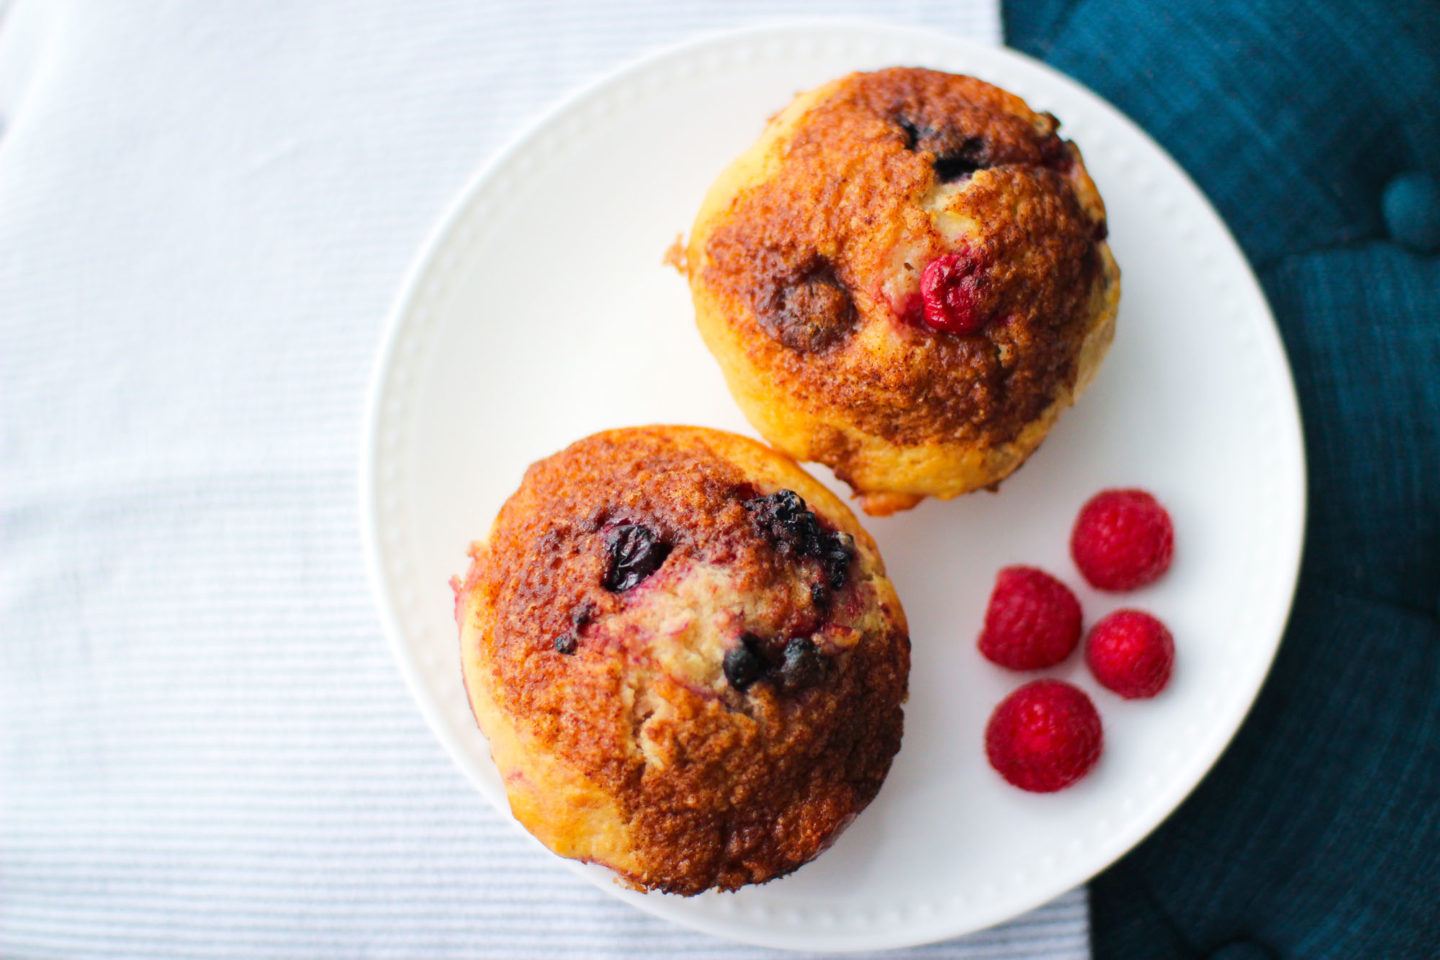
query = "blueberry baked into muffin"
{"x": 906, "y": 278}
{"x": 686, "y": 656}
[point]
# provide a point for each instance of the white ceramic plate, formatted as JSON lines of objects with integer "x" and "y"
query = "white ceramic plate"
{"x": 540, "y": 312}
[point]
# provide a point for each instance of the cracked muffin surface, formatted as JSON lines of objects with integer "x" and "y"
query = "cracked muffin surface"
{"x": 905, "y": 278}
{"x": 686, "y": 656}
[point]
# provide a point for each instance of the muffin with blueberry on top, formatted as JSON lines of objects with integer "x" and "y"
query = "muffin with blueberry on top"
{"x": 907, "y": 279}
{"x": 686, "y": 656}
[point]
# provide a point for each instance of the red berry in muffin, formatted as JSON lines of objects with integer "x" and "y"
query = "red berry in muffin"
{"x": 1044, "y": 736}
{"x": 1131, "y": 653}
{"x": 949, "y": 288}
{"x": 1033, "y": 620}
{"x": 1123, "y": 539}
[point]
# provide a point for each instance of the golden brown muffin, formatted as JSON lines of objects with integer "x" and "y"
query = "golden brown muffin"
{"x": 686, "y": 656}
{"x": 906, "y": 279}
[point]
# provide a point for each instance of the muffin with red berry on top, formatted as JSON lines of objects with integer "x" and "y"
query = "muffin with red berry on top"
{"x": 686, "y": 656}
{"x": 905, "y": 278}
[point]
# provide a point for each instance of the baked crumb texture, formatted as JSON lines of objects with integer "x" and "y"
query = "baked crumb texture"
{"x": 806, "y": 259}
{"x": 686, "y": 673}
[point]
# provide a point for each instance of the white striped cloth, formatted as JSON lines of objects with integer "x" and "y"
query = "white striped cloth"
{"x": 205, "y": 210}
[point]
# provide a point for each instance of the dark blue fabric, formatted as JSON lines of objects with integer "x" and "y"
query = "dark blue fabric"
{"x": 1318, "y": 832}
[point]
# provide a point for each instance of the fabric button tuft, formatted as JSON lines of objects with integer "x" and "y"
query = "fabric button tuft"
{"x": 1411, "y": 204}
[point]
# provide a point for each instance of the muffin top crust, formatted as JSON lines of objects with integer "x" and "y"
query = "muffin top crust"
{"x": 687, "y": 625}
{"x": 917, "y": 251}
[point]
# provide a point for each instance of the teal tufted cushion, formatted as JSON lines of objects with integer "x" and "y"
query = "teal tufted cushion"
{"x": 1315, "y": 128}
{"x": 1412, "y": 211}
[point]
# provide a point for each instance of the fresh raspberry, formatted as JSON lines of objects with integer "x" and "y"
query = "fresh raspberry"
{"x": 1033, "y": 620}
{"x": 1130, "y": 652}
{"x": 1044, "y": 736}
{"x": 949, "y": 289}
{"x": 1122, "y": 540}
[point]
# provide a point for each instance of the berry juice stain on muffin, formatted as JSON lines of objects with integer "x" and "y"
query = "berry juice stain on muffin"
{"x": 906, "y": 278}
{"x": 686, "y": 656}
